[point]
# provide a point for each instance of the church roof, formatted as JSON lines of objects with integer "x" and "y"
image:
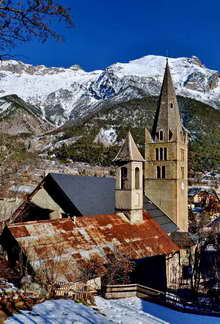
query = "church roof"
{"x": 82, "y": 195}
{"x": 76, "y": 195}
{"x": 88, "y": 237}
{"x": 129, "y": 151}
{"x": 159, "y": 216}
{"x": 88, "y": 196}
{"x": 167, "y": 115}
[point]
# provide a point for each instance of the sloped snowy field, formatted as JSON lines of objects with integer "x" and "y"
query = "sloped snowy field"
{"x": 124, "y": 311}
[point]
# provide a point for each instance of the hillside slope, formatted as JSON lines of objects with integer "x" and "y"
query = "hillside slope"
{"x": 114, "y": 120}
{"x": 18, "y": 117}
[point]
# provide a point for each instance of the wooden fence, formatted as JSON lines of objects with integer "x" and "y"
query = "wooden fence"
{"x": 205, "y": 307}
{"x": 131, "y": 290}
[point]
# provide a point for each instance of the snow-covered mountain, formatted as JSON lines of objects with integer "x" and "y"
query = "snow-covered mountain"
{"x": 19, "y": 117}
{"x": 69, "y": 94}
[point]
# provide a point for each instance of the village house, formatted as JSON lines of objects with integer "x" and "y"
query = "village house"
{"x": 201, "y": 196}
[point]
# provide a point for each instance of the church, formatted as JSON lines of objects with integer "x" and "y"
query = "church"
{"x": 90, "y": 216}
{"x": 166, "y": 157}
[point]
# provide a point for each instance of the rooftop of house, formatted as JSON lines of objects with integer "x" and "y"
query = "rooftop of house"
{"x": 184, "y": 239}
{"x": 79, "y": 195}
{"x": 88, "y": 196}
{"x": 70, "y": 242}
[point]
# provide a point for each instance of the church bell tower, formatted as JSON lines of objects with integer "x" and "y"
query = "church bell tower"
{"x": 166, "y": 156}
{"x": 129, "y": 181}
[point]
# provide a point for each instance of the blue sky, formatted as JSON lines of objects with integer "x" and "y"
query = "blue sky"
{"x": 121, "y": 30}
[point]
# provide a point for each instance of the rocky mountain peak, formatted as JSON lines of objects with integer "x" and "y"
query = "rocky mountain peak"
{"x": 72, "y": 93}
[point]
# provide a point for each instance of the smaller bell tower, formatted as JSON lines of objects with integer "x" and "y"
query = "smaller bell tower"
{"x": 129, "y": 181}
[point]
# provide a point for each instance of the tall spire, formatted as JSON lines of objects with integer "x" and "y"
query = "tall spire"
{"x": 167, "y": 115}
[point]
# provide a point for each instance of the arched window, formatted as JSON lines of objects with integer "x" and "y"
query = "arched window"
{"x": 137, "y": 178}
{"x": 163, "y": 172}
{"x": 170, "y": 135}
{"x": 161, "y": 153}
{"x": 161, "y": 135}
{"x": 165, "y": 153}
{"x": 158, "y": 172}
{"x": 171, "y": 105}
{"x": 157, "y": 154}
{"x": 124, "y": 175}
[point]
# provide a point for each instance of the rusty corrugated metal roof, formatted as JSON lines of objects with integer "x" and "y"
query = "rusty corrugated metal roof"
{"x": 99, "y": 235}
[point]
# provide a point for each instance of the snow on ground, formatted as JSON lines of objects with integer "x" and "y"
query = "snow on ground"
{"x": 175, "y": 317}
{"x": 23, "y": 188}
{"x": 137, "y": 311}
{"x": 124, "y": 311}
{"x": 60, "y": 311}
{"x": 106, "y": 136}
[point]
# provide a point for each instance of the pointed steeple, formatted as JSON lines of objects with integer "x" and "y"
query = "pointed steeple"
{"x": 167, "y": 115}
{"x": 129, "y": 151}
{"x": 129, "y": 181}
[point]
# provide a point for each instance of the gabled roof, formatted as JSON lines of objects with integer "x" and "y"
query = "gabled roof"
{"x": 159, "y": 216}
{"x": 88, "y": 196}
{"x": 79, "y": 195}
{"x": 90, "y": 236}
{"x": 129, "y": 151}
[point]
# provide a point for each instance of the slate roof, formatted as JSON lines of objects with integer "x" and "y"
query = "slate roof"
{"x": 129, "y": 151}
{"x": 98, "y": 236}
{"x": 184, "y": 239}
{"x": 159, "y": 216}
{"x": 79, "y": 195}
{"x": 88, "y": 196}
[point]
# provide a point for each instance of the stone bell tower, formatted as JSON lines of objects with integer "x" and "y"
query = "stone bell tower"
{"x": 166, "y": 155}
{"x": 129, "y": 181}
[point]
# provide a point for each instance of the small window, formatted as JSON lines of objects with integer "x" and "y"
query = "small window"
{"x": 157, "y": 154}
{"x": 161, "y": 135}
{"x": 170, "y": 135}
{"x": 161, "y": 153}
{"x": 171, "y": 105}
{"x": 158, "y": 172}
{"x": 137, "y": 178}
{"x": 165, "y": 154}
{"x": 124, "y": 175}
{"x": 163, "y": 172}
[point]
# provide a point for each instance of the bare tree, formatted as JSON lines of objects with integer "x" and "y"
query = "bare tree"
{"x": 21, "y": 20}
{"x": 118, "y": 268}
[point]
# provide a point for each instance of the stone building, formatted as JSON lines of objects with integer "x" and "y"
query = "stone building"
{"x": 166, "y": 147}
{"x": 63, "y": 243}
{"x": 129, "y": 181}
